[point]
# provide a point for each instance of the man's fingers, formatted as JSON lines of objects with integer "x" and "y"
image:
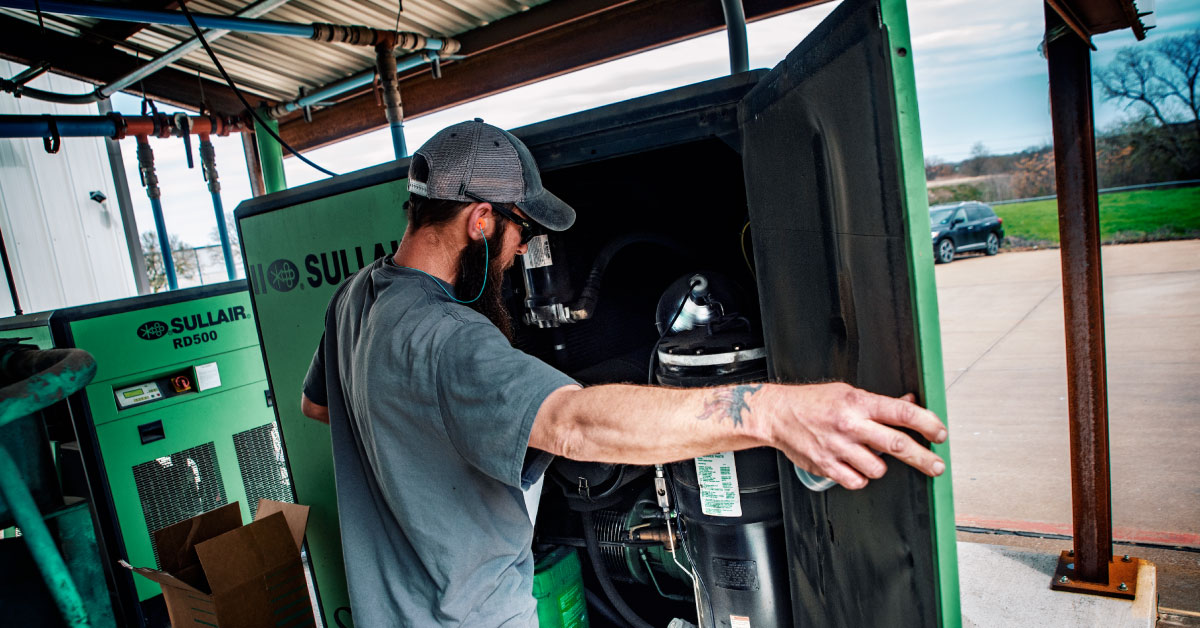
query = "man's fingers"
{"x": 910, "y": 397}
{"x": 903, "y": 448}
{"x": 844, "y": 475}
{"x": 865, "y": 462}
{"x": 903, "y": 413}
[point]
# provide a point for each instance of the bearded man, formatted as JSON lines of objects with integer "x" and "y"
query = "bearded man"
{"x": 440, "y": 427}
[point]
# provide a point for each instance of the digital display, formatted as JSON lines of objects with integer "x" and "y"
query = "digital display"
{"x": 129, "y": 394}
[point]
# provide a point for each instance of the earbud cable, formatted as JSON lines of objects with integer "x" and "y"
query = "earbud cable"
{"x": 486, "y": 257}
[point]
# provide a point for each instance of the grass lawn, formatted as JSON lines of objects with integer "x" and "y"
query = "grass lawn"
{"x": 1136, "y": 216}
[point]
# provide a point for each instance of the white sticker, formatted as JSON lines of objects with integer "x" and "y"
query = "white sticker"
{"x": 717, "y": 475}
{"x": 538, "y": 253}
{"x": 207, "y": 376}
{"x": 739, "y": 621}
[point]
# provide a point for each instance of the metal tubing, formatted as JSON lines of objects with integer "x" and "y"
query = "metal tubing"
{"x": 345, "y": 85}
{"x": 150, "y": 180}
{"x": 41, "y": 544}
{"x": 68, "y": 126}
{"x": 116, "y": 163}
{"x": 113, "y": 126}
{"x": 172, "y": 18}
{"x": 208, "y": 165}
{"x": 735, "y": 28}
{"x": 42, "y": 378}
{"x": 12, "y": 284}
{"x": 262, "y": 7}
{"x": 1083, "y": 299}
{"x": 389, "y": 84}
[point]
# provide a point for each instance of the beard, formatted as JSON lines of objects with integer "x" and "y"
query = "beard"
{"x": 471, "y": 277}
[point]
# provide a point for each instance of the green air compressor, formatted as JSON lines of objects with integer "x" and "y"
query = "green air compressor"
{"x": 177, "y": 421}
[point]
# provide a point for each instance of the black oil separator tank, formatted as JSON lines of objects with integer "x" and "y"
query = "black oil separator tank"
{"x": 729, "y": 503}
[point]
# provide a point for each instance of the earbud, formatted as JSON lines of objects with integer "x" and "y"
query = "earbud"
{"x": 480, "y": 224}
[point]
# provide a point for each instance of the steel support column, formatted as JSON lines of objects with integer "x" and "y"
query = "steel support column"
{"x": 1083, "y": 300}
{"x": 116, "y": 163}
{"x": 270, "y": 158}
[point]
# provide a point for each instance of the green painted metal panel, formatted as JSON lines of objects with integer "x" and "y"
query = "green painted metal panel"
{"x": 295, "y": 257}
{"x": 925, "y": 305}
{"x": 148, "y": 339}
{"x": 206, "y": 418}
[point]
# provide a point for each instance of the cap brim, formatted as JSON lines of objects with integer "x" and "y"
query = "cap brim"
{"x": 549, "y": 211}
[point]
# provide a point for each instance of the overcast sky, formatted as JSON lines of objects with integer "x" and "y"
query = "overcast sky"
{"x": 980, "y": 79}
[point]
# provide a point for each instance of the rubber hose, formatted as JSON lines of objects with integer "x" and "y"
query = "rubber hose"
{"x": 590, "y": 295}
{"x": 597, "y": 603}
{"x": 42, "y": 378}
{"x": 593, "y": 550}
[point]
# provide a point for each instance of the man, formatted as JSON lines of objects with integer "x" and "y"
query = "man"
{"x": 438, "y": 423}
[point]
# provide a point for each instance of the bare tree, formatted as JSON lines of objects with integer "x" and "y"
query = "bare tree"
{"x": 1160, "y": 82}
{"x": 181, "y": 256}
{"x": 1159, "y": 79}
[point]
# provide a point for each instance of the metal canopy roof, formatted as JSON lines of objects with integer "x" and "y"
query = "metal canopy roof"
{"x": 505, "y": 44}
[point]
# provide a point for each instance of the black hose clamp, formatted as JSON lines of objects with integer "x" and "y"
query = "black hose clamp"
{"x": 52, "y": 141}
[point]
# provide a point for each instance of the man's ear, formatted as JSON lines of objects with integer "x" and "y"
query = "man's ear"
{"x": 479, "y": 220}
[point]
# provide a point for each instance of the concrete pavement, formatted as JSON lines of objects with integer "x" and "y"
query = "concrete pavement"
{"x": 1005, "y": 357}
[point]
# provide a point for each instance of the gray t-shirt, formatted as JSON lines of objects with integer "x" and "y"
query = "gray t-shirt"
{"x": 430, "y": 412}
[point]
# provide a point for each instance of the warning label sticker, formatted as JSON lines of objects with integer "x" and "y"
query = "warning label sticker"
{"x": 538, "y": 254}
{"x": 739, "y": 621}
{"x": 717, "y": 475}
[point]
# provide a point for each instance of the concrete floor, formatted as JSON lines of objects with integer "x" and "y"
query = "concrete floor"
{"x": 1004, "y": 357}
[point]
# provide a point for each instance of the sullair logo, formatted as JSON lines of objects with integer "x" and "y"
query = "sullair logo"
{"x": 316, "y": 269}
{"x": 192, "y": 329}
{"x": 152, "y": 330}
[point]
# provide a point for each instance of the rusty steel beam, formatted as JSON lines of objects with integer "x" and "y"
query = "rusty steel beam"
{"x": 547, "y": 41}
{"x": 1069, "y": 61}
{"x": 70, "y": 56}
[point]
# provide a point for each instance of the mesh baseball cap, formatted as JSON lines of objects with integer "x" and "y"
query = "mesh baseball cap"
{"x": 475, "y": 161}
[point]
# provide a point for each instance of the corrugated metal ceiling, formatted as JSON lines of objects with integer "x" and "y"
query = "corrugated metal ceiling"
{"x": 275, "y": 67}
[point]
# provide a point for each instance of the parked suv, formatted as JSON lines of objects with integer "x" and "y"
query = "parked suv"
{"x": 966, "y": 226}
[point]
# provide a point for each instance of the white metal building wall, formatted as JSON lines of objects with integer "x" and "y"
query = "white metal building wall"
{"x": 65, "y": 248}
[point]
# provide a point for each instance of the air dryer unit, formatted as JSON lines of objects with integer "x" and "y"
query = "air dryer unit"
{"x": 177, "y": 421}
{"x": 803, "y": 187}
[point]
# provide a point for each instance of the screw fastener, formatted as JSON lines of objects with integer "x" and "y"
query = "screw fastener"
{"x": 1070, "y": 565}
{"x": 1122, "y": 587}
{"x": 1071, "y": 553}
{"x": 1125, "y": 558}
{"x": 1063, "y": 580}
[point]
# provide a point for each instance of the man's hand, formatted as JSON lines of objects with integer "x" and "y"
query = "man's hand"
{"x": 313, "y": 410}
{"x": 835, "y": 430}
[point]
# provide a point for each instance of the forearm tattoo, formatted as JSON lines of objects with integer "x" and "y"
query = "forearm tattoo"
{"x": 729, "y": 402}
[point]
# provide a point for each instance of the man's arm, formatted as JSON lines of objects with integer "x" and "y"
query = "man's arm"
{"x": 832, "y": 430}
{"x": 313, "y": 410}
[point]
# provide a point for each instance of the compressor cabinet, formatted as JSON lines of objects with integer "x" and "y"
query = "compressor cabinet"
{"x": 803, "y": 184}
{"x": 177, "y": 421}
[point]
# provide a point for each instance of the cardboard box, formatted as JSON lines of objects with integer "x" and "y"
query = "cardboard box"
{"x": 216, "y": 572}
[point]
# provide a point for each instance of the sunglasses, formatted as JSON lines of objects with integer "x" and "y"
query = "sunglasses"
{"x": 528, "y": 229}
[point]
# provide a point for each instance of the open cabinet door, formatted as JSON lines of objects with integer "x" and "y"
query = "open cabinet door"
{"x": 835, "y": 186}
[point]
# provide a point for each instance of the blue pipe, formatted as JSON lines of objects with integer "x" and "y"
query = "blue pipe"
{"x": 173, "y": 18}
{"x": 164, "y": 244}
{"x": 68, "y": 126}
{"x": 150, "y": 180}
{"x": 352, "y": 82}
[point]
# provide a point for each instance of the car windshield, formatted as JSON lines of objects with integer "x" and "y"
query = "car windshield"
{"x": 941, "y": 216}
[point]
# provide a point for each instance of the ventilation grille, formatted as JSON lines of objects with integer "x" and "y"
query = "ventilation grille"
{"x": 264, "y": 469}
{"x": 178, "y": 487}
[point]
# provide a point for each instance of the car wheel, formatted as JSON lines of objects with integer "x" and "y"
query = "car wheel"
{"x": 945, "y": 251}
{"x": 993, "y": 244}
